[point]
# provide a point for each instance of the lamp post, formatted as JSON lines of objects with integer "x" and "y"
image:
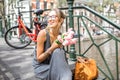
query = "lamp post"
{"x": 71, "y": 24}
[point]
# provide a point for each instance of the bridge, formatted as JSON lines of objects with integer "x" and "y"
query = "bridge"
{"x": 103, "y": 46}
{"x": 95, "y": 40}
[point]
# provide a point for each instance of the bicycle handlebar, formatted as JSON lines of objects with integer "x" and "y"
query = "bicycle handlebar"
{"x": 38, "y": 11}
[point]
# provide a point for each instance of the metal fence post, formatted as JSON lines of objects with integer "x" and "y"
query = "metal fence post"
{"x": 8, "y": 22}
{"x": 0, "y": 27}
{"x": 71, "y": 25}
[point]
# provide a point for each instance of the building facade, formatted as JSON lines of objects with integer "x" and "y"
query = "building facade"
{"x": 27, "y": 6}
{"x": 43, "y": 4}
{"x": 11, "y": 9}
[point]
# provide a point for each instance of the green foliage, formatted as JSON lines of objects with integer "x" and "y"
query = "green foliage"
{"x": 61, "y": 3}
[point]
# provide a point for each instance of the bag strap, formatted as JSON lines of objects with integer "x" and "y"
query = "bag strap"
{"x": 82, "y": 59}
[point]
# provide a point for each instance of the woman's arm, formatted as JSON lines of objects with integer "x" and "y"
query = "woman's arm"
{"x": 41, "y": 38}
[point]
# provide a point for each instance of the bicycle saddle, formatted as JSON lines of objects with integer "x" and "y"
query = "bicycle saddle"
{"x": 38, "y": 11}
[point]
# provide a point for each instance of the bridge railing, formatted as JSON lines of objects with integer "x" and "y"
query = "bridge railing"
{"x": 98, "y": 38}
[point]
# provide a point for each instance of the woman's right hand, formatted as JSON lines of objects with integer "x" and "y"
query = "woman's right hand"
{"x": 55, "y": 45}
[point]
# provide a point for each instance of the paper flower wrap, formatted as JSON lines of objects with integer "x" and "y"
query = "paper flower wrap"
{"x": 66, "y": 38}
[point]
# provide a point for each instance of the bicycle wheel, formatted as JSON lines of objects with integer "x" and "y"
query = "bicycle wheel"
{"x": 13, "y": 39}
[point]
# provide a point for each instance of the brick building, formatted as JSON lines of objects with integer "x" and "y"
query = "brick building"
{"x": 43, "y": 4}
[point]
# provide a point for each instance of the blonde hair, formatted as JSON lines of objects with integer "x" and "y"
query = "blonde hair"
{"x": 56, "y": 31}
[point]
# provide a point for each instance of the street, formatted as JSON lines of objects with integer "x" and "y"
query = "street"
{"x": 16, "y": 64}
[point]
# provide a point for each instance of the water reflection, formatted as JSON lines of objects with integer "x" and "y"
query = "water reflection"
{"x": 99, "y": 52}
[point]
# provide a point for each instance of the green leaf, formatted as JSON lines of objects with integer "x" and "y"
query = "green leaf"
{"x": 57, "y": 42}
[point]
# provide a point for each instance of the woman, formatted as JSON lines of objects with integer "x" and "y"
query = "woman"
{"x": 49, "y": 60}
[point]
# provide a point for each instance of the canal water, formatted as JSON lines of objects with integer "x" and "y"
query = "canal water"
{"x": 103, "y": 54}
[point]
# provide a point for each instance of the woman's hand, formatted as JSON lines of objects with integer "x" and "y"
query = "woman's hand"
{"x": 55, "y": 45}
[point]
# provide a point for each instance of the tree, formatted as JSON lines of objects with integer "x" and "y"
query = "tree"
{"x": 61, "y": 3}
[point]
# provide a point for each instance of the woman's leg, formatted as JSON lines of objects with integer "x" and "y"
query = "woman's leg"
{"x": 59, "y": 69}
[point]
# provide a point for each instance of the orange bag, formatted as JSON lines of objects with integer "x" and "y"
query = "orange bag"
{"x": 85, "y": 69}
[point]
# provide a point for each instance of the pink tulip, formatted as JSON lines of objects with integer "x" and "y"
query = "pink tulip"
{"x": 71, "y": 33}
{"x": 70, "y": 29}
{"x": 73, "y": 41}
{"x": 67, "y": 38}
{"x": 60, "y": 38}
{"x": 65, "y": 43}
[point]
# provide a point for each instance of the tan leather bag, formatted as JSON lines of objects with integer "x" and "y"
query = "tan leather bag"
{"x": 85, "y": 69}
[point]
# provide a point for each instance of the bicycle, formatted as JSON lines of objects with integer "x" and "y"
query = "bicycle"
{"x": 20, "y": 36}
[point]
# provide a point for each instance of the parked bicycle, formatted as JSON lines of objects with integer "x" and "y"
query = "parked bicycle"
{"x": 20, "y": 36}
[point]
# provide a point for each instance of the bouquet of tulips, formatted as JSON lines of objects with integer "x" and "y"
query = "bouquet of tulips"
{"x": 67, "y": 38}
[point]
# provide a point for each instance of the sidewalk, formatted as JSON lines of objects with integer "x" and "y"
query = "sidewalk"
{"x": 15, "y": 64}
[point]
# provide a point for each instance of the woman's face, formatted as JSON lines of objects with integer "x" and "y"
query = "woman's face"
{"x": 53, "y": 19}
